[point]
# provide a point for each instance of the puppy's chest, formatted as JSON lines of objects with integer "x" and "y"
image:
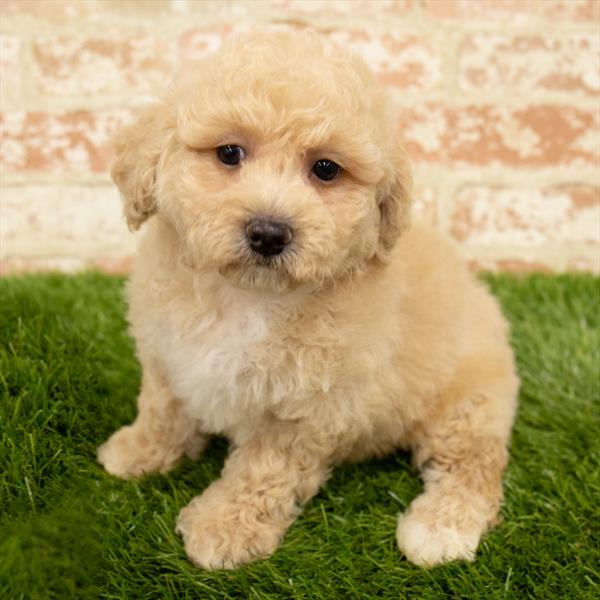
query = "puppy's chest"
{"x": 217, "y": 364}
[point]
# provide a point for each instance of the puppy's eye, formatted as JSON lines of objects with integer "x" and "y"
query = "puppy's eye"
{"x": 231, "y": 154}
{"x": 326, "y": 169}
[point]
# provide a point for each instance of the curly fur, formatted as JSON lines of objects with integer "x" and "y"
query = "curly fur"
{"x": 364, "y": 336}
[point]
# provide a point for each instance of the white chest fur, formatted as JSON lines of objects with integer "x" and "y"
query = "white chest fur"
{"x": 208, "y": 346}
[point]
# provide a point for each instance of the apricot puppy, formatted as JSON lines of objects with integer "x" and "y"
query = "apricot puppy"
{"x": 280, "y": 299}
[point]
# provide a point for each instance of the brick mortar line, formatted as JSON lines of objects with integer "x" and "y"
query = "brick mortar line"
{"x": 85, "y": 250}
{"x": 57, "y": 106}
{"x": 509, "y": 177}
{"x": 262, "y": 13}
{"x": 128, "y": 242}
{"x": 483, "y": 98}
{"x": 451, "y": 69}
{"x": 172, "y": 26}
{"x": 556, "y": 256}
{"x": 506, "y": 176}
{"x": 40, "y": 178}
{"x": 172, "y": 29}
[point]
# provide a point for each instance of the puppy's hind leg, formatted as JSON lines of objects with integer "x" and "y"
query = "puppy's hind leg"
{"x": 462, "y": 455}
{"x": 158, "y": 438}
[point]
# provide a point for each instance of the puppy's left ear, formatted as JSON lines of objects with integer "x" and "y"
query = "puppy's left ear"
{"x": 394, "y": 196}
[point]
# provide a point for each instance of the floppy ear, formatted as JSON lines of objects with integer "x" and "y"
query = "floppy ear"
{"x": 394, "y": 197}
{"x": 137, "y": 150}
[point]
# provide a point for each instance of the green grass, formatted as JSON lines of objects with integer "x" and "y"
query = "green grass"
{"x": 68, "y": 378}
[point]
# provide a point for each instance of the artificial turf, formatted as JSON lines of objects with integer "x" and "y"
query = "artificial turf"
{"x": 68, "y": 378}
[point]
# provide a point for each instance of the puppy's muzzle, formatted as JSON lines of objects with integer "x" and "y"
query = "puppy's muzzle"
{"x": 268, "y": 237}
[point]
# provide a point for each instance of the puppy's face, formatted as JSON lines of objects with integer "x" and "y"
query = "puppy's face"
{"x": 276, "y": 163}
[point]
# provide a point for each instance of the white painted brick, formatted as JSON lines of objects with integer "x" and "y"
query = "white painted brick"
{"x": 77, "y": 221}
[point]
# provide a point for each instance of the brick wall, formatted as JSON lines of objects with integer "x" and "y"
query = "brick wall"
{"x": 499, "y": 112}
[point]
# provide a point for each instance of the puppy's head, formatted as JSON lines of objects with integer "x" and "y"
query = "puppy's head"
{"x": 276, "y": 161}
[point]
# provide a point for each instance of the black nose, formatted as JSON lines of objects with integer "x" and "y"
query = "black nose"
{"x": 268, "y": 237}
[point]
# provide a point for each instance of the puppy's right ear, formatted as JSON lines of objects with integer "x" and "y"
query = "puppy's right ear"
{"x": 138, "y": 148}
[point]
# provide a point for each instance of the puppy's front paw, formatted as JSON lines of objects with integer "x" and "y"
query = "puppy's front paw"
{"x": 129, "y": 453}
{"x": 426, "y": 542}
{"x": 225, "y": 536}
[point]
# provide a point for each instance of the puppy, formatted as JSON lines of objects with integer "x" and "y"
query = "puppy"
{"x": 280, "y": 299}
